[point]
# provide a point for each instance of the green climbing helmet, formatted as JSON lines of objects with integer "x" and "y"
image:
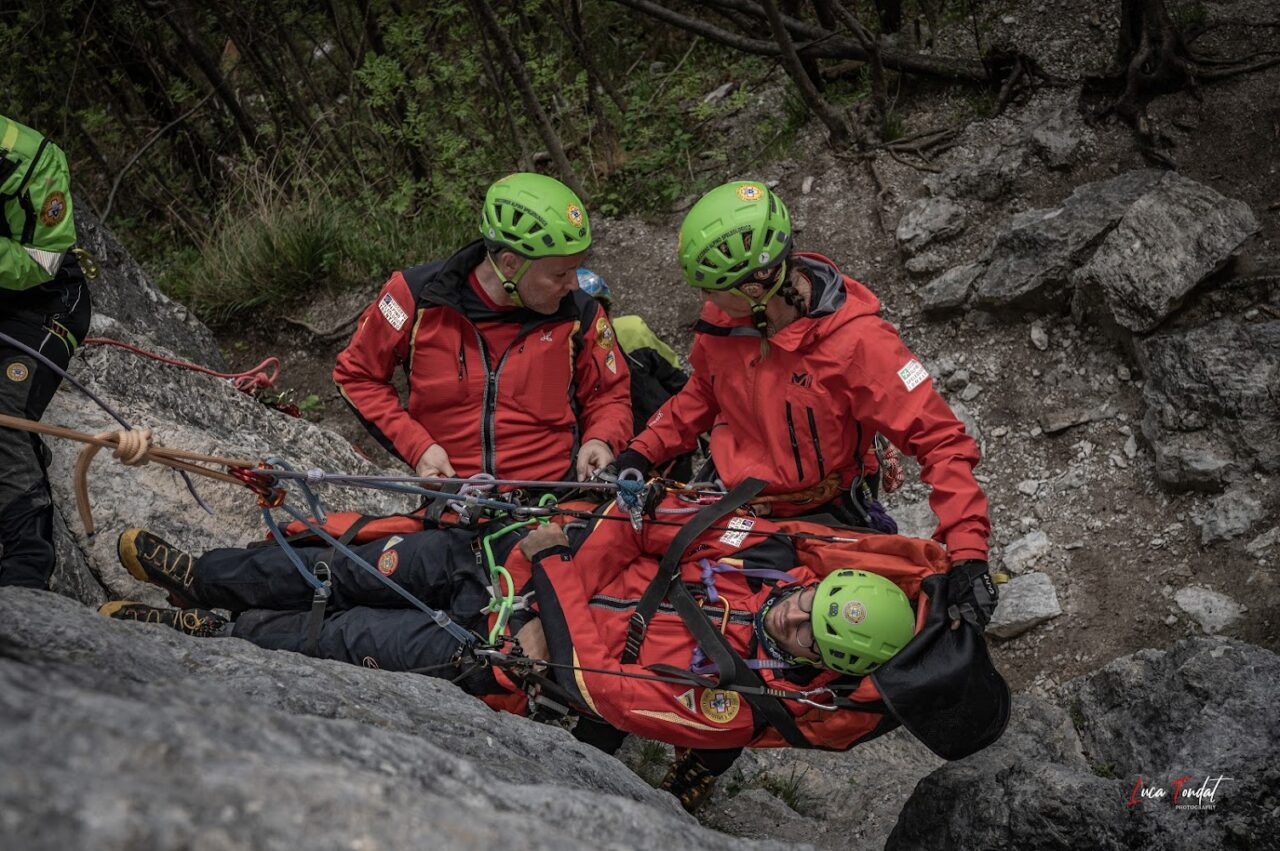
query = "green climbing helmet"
{"x": 860, "y": 620}
{"x": 734, "y": 231}
{"x": 535, "y": 216}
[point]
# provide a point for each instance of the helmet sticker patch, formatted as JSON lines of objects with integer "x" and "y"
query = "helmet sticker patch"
{"x": 737, "y": 532}
{"x": 388, "y": 562}
{"x": 54, "y": 209}
{"x": 750, "y": 192}
{"x": 854, "y": 612}
{"x": 392, "y": 312}
{"x": 17, "y": 372}
{"x": 604, "y": 334}
{"x": 611, "y": 363}
{"x": 574, "y": 212}
{"x": 720, "y": 706}
{"x": 763, "y": 258}
{"x": 913, "y": 374}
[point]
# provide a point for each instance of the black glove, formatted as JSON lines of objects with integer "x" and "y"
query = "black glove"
{"x": 632, "y": 460}
{"x": 971, "y": 594}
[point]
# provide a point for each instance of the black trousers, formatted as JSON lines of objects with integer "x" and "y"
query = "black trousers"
{"x": 366, "y": 623}
{"x": 52, "y": 321}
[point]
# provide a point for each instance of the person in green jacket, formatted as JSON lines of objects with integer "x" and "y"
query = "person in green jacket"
{"x": 44, "y": 304}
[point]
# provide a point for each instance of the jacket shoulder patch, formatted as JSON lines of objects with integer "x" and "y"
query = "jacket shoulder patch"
{"x": 913, "y": 374}
{"x": 392, "y": 312}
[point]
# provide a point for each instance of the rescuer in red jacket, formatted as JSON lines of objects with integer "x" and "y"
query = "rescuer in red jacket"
{"x": 795, "y": 372}
{"x": 511, "y": 370}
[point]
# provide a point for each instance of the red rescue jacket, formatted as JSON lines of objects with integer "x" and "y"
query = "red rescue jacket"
{"x": 812, "y": 406}
{"x": 519, "y": 413}
{"x": 585, "y": 600}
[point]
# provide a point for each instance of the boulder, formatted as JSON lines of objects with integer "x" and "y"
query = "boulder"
{"x": 1213, "y": 399}
{"x": 1169, "y": 240}
{"x": 1028, "y": 552}
{"x": 927, "y": 221}
{"x": 950, "y": 289}
{"x": 1064, "y": 778}
{"x": 125, "y": 735}
{"x": 1214, "y": 612}
{"x": 989, "y": 176}
{"x": 1032, "y": 257}
{"x": 1058, "y": 134}
{"x": 1025, "y": 602}
{"x": 1229, "y": 516}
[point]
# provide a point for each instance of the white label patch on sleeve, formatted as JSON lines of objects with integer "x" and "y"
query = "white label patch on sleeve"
{"x": 737, "y": 533}
{"x": 913, "y": 374}
{"x": 392, "y": 312}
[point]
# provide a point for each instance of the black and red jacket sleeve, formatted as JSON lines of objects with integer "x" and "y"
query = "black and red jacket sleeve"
{"x": 602, "y": 384}
{"x": 364, "y": 369}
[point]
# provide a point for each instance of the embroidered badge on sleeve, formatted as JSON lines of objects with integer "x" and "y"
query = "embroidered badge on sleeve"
{"x": 913, "y": 374}
{"x": 392, "y": 312}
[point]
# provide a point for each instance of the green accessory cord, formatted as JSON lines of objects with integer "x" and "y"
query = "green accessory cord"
{"x": 504, "y": 601}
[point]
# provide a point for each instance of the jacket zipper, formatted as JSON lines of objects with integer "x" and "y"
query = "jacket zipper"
{"x": 462, "y": 361}
{"x": 795, "y": 444}
{"x": 817, "y": 444}
{"x": 489, "y": 450}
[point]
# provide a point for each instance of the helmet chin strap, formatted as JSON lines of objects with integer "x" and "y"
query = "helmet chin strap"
{"x": 758, "y": 306}
{"x": 509, "y": 284}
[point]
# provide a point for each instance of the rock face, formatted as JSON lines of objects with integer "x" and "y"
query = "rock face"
{"x": 1203, "y": 710}
{"x": 184, "y": 409}
{"x": 134, "y": 736}
{"x": 1213, "y": 400}
{"x": 125, "y": 301}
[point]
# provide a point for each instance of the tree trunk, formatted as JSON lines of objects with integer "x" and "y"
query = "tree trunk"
{"x": 824, "y": 44}
{"x": 837, "y": 126}
{"x": 871, "y": 44}
{"x": 159, "y": 9}
{"x": 514, "y": 64}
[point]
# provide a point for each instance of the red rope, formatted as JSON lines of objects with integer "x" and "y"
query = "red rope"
{"x": 261, "y": 377}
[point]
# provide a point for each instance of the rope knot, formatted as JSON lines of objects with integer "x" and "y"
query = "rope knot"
{"x": 133, "y": 448}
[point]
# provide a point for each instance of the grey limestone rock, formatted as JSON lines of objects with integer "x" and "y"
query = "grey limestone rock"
{"x": 988, "y": 177}
{"x": 1063, "y": 778}
{"x": 1229, "y": 516}
{"x": 1168, "y": 241}
{"x": 1213, "y": 401}
{"x": 1025, "y": 602}
{"x": 1028, "y": 552}
{"x": 1058, "y": 133}
{"x": 1213, "y": 611}
{"x": 927, "y": 221}
{"x": 123, "y": 735}
{"x": 1033, "y": 256}
{"x": 951, "y": 289}
{"x": 128, "y": 306}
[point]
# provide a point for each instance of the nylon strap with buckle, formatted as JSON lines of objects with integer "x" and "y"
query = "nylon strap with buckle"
{"x": 669, "y": 567}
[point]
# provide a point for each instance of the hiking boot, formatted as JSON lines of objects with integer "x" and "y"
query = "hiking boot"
{"x": 200, "y": 623}
{"x": 689, "y": 780}
{"x": 150, "y": 558}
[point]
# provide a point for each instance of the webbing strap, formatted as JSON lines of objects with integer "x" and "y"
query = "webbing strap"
{"x": 669, "y": 567}
{"x": 732, "y": 670}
